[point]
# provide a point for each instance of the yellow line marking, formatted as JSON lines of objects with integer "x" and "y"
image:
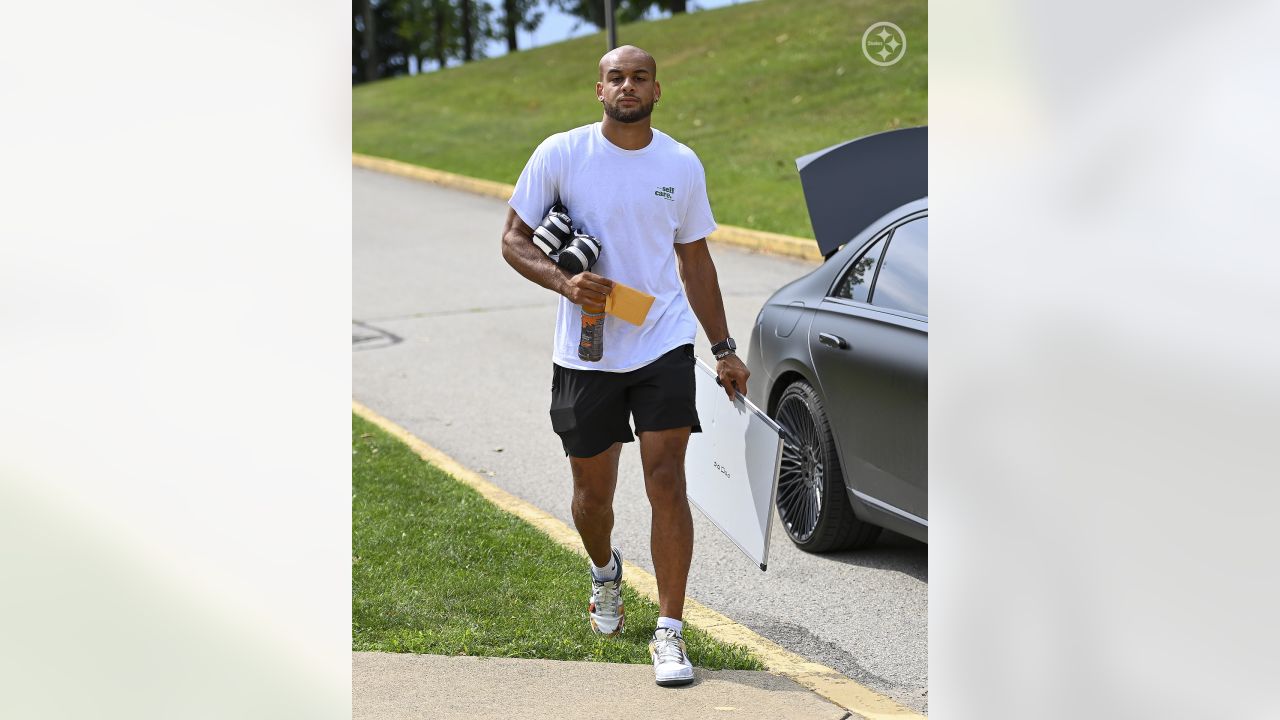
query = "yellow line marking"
{"x": 758, "y": 240}
{"x": 825, "y": 681}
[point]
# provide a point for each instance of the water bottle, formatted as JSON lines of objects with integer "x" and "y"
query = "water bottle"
{"x": 591, "y": 342}
{"x": 580, "y": 255}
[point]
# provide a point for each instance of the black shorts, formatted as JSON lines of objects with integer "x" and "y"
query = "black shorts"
{"x": 590, "y": 408}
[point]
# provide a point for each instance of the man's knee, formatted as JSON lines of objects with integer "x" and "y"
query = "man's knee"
{"x": 664, "y": 482}
{"x": 663, "y": 459}
{"x": 594, "y": 480}
{"x": 591, "y": 500}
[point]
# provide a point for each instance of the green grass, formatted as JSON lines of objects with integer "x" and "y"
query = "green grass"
{"x": 438, "y": 569}
{"x": 749, "y": 87}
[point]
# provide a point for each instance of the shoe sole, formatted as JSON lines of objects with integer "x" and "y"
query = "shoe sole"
{"x": 670, "y": 682}
{"x": 596, "y": 628}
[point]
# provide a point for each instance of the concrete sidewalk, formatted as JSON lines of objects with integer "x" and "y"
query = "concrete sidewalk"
{"x": 395, "y": 685}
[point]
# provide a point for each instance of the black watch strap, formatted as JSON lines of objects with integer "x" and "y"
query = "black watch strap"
{"x": 724, "y": 348}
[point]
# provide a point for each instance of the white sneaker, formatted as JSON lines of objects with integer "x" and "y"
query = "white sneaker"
{"x": 607, "y": 613}
{"x": 671, "y": 664}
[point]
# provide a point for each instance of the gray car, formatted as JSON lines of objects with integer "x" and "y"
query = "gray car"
{"x": 839, "y": 357}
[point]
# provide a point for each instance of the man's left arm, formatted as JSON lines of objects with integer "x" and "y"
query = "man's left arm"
{"x": 702, "y": 286}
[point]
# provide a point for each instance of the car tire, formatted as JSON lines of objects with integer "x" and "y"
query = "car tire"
{"x": 812, "y": 502}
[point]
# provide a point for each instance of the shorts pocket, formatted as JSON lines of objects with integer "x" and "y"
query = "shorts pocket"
{"x": 563, "y": 418}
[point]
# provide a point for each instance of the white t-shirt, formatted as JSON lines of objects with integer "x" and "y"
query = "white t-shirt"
{"x": 639, "y": 203}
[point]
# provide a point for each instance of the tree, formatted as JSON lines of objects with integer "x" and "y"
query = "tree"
{"x": 517, "y": 15}
{"x": 412, "y": 30}
{"x": 476, "y": 26}
{"x": 467, "y": 43}
{"x": 438, "y": 30}
{"x": 441, "y": 16}
{"x": 675, "y": 7}
{"x": 624, "y": 11}
{"x": 428, "y": 30}
{"x": 370, "y": 41}
{"x": 589, "y": 10}
{"x": 377, "y": 50}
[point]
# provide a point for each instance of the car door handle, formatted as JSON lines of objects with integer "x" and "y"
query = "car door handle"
{"x": 834, "y": 341}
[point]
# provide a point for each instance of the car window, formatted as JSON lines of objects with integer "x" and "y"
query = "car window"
{"x": 903, "y": 280}
{"x": 856, "y": 283}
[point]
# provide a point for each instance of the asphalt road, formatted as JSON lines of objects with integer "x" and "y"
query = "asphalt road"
{"x": 455, "y": 346}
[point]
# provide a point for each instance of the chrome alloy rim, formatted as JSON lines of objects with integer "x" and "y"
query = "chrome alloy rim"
{"x": 800, "y": 479}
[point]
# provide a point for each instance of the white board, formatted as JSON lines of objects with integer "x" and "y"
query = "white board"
{"x": 731, "y": 467}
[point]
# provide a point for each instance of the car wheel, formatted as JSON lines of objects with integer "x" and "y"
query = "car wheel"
{"x": 812, "y": 502}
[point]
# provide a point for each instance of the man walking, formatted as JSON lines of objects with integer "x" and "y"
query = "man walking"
{"x": 644, "y": 196}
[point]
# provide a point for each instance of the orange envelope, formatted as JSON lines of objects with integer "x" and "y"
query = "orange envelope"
{"x": 628, "y": 303}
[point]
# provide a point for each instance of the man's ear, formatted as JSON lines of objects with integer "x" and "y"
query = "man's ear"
{"x": 599, "y": 89}
{"x": 657, "y": 86}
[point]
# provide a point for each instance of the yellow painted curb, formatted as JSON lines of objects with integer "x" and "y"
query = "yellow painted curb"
{"x": 758, "y": 240}
{"x": 768, "y": 242}
{"x": 502, "y": 191}
{"x": 825, "y": 681}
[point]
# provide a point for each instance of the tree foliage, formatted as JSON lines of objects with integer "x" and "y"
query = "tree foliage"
{"x": 624, "y": 11}
{"x": 519, "y": 15}
{"x": 430, "y": 30}
{"x": 440, "y": 32}
{"x": 381, "y": 52}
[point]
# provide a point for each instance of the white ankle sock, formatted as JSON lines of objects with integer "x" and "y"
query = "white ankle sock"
{"x": 608, "y": 572}
{"x": 666, "y": 622}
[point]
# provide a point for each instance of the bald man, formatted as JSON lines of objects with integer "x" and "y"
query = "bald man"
{"x": 644, "y": 196}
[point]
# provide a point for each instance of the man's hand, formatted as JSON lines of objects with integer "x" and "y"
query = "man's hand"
{"x": 733, "y": 374}
{"x": 587, "y": 289}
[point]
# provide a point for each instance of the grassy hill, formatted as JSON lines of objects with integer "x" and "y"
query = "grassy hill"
{"x": 749, "y": 87}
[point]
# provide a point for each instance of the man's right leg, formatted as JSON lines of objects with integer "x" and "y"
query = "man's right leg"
{"x": 589, "y": 413}
{"x": 594, "y": 481}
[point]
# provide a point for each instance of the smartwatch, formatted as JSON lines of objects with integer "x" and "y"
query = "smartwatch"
{"x": 724, "y": 348}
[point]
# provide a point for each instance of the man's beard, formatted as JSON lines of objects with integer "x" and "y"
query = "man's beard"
{"x": 629, "y": 115}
